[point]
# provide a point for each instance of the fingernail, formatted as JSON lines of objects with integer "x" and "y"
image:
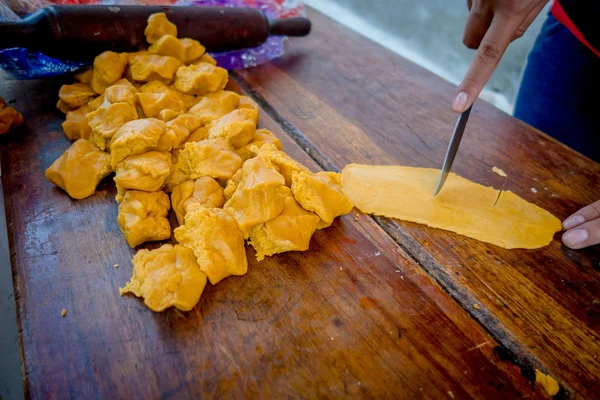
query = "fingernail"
{"x": 460, "y": 101}
{"x": 573, "y": 221}
{"x": 575, "y": 239}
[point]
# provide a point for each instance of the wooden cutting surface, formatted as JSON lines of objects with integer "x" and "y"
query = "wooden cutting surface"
{"x": 376, "y": 308}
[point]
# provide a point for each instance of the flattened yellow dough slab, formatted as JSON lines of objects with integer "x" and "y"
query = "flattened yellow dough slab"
{"x": 462, "y": 206}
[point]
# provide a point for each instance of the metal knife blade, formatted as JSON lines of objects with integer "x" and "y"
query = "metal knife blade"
{"x": 457, "y": 135}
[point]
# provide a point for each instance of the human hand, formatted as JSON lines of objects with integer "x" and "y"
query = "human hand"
{"x": 491, "y": 26}
{"x": 583, "y": 227}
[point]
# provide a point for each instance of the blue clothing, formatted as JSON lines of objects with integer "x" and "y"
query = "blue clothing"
{"x": 560, "y": 90}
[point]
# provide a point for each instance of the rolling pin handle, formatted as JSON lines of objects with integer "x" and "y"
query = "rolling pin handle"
{"x": 295, "y": 26}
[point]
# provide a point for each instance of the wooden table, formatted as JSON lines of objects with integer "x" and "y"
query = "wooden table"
{"x": 376, "y": 308}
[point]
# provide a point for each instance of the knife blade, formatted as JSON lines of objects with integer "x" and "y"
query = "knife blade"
{"x": 457, "y": 135}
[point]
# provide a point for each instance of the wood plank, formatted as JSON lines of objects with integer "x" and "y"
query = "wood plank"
{"x": 346, "y": 99}
{"x": 355, "y": 316}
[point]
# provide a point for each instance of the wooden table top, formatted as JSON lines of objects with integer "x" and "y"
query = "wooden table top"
{"x": 376, "y": 308}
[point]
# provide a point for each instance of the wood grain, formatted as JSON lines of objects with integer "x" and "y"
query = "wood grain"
{"x": 355, "y": 316}
{"x": 346, "y": 99}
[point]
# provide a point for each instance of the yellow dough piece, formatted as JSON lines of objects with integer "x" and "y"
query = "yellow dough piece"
{"x": 79, "y": 169}
{"x": 185, "y": 50}
{"x": 198, "y": 135}
{"x": 76, "y": 95}
{"x": 143, "y": 217}
{"x": 176, "y": 176}
{"x": 259, "y": 196}
{"x": 85, "y": 76}
{"x": 200, "y": 79}
{"x": 192, "y": 49}
{"x": 155, "y": 97}
{"x": 322, "y": 194}
{"x": 146, "y": 172}
{"x": 238, "y": 127}
{"x": 212, "y": 157}
{"x": 96, "y": 103}
{"x": 289, "y": 231}
{"x": 158, "y": 26}
{"x": 166, "y": 115}
{"x": 165, "y": 277}
{"x": 216, "y": 241}
{"x": 76, "y": 125}
{"x": 547, "y": 382}
{"x": 62, "y": 106}
{"x": 215, "y": 105}
{"x": 177, "y": 131}
{"x": 261, "y": 138}
{"x": 498, "y": 171}
{"x": 204, "y": 191}
{"x": 206, "y": 58}
{"x": 279, "y": 160}
{"x": 135, "y": 137}
{"x": 247, "y": 102}
{"x": 106, "y": 121}
{"x": 232, "y": 184}
{"x": 121, "y": 92}
{"x": 462, "y": 206}
{"x": 146, "y": 67}
{"x": 108, "y": 68}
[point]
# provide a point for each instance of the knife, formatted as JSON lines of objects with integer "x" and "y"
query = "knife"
{"x": 457, "y": 135}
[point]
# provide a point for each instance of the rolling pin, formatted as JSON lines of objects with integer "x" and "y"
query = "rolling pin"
{"x": 80, "y": 33}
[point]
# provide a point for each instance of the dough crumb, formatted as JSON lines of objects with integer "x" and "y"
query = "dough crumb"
{"x": 547, "y": 382}
{"x": 63, "y": 312}
{"x": 476, "y": 306}
{"x": 450, "y": 394}
{"x": 498, "y": 171}
{"x": 115, "y": 265}
{"x": 534, "y": 190}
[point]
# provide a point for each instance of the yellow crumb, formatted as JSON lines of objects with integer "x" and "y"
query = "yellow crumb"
{"x": 498, "y": 171}
{"x": 116, "y": 265}
{"x": 547, "y": 382}
{"x": 63, "y": 312}
{"x": 476, "y": 306}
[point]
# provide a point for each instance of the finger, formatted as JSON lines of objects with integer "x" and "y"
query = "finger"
{"x": 588, "y": 213}
{"x": 584, "y": 235}
{"x": 478, "y": 23}
{"x": 529, "y": 20}
{"x": 493, "y": 46}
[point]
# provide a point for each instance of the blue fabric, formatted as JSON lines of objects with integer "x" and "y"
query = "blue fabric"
{"x": 560, "y": 90}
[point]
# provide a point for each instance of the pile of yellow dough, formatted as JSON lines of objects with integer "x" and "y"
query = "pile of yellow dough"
{"x": 162, "y": 122}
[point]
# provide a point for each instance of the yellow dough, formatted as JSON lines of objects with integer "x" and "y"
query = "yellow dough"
{"x": 216, "y": 241}
{"x": 79, "y": 170}
{"x": 76, "y": 95}
{"x": 215, "y": 105}
{"x": 238, "y": 127}
{"x": 146, "y": 172}
{"x": 155, "y": 97}
{"x": 322, "y": 194}
{"x": 165, "y": 277}
{"x": 259, "y": 196}
{"x": 158, "y": 26}
{"x": 247, "y": 102}
{"x": 201, "y": 79}
{"x": 76, "y": 125}
{"x": 462, "y": 206}
{"x": 146, "y": 67}
{"x": 212, "y": 157}
{"x": 108, "y": 68}
{"x": 206, "y": 58}
{"x": 261, "y": 138}
{"x": 204, "y": 191}
{"x": 143, "y": 217}
{"x": 178, "y": 130}
{"x": 135, "y": 137}
{"x": 289, "y": 231}
{"x": 279, "y": 160}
